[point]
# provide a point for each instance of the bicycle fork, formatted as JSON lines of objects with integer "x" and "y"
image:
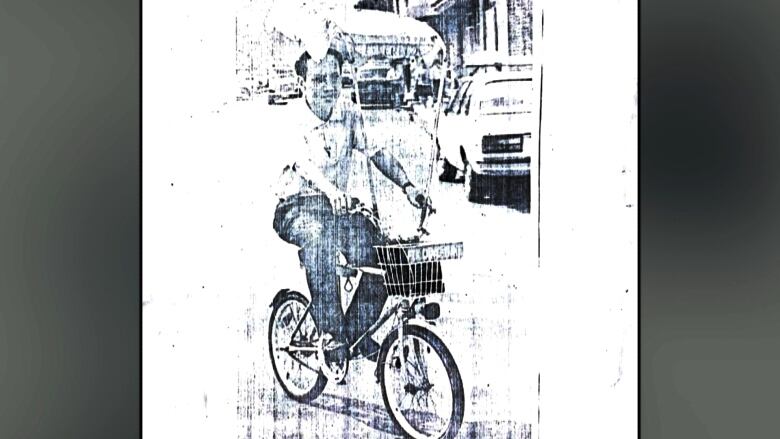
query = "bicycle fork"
{"x": 401, "y": 311}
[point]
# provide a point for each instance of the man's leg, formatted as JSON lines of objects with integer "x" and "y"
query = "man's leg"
{"x": 319, "y": 259}
{"x": 312, "y": 228}
{"x": 357, "y": 237}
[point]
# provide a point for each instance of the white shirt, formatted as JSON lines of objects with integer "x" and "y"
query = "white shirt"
{"x": 330, "y": 146}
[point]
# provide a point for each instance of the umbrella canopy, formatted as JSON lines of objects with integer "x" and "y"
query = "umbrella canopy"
{"x": 376, "y": 33}
{"x": 358, "y": 34}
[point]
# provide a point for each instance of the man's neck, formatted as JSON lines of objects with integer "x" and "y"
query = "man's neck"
{"x": 323, "y": 118}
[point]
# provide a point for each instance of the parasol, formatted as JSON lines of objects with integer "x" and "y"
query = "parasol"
{"x": 358, "y": 34}
{"x": 376, "y": 33}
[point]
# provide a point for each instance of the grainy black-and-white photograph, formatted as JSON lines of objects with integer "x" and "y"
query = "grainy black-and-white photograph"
{"x": 389, "y": 219}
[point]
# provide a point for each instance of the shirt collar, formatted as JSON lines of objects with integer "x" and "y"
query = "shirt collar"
{"x": 309, "y": 121}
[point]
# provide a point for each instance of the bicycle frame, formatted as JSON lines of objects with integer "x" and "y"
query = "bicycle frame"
{"x": 403, "y": 309}
{"x": 407, "y": 310}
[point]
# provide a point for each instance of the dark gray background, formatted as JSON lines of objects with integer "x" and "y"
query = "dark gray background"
{"x": 709, "y": 192}
{"x": 70, "y": 215}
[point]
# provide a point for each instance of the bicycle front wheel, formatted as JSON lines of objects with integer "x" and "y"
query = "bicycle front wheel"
{"x": 421, "y": 385}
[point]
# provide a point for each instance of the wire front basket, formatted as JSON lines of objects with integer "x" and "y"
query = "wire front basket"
{"x": 412, "y": 270}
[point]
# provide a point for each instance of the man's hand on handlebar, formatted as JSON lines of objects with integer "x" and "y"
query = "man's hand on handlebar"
{"x": 343, "y": 204}
{"x": 339, "y": 201}
{"x": 415, "y": 196}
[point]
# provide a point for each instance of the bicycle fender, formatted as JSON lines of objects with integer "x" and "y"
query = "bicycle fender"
{"x": 281, "y": 295}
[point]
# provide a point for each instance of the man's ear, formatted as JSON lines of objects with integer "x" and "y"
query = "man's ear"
{"x": 300, "y": 65}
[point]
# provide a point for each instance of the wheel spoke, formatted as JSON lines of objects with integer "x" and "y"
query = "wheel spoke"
{"x": 433, "y": 403}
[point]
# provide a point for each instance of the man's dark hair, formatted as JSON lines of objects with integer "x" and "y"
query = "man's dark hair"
{"x": 301, "y": 66}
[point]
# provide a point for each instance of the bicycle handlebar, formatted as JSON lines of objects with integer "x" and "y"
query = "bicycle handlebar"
{"x": 427, "y": 208}
{"x": 358, "y": 207}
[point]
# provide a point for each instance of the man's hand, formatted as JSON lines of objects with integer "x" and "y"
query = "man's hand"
{"x": 415, "y": 196}
{"x": 339, "y": 201}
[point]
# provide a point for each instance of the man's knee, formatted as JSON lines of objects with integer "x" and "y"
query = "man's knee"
{"x": 312, "y": 236}
{"x": 317, "y": 254}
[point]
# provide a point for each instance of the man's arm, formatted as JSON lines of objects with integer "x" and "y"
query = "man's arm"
{"x": 391, "y": 168}
{"x": 387, "y": 164}
{"x": 382, "y": 159}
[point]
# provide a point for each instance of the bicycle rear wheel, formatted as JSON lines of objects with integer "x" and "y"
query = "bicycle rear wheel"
{"x": 297, "y": 372}
{"x": 421, "y": 385}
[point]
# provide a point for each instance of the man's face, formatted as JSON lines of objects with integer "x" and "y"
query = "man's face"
{"x": 323, "y": 85}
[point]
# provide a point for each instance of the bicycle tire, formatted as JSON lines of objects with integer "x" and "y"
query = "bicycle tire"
{"x": 453, "y": 374}
{"x": 322, "y": 380}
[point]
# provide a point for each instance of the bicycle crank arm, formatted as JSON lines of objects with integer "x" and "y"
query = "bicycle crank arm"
{"x": 291, "y": 349}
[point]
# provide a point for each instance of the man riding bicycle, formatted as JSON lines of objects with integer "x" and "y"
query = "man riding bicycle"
{"x": 318, "y": 188}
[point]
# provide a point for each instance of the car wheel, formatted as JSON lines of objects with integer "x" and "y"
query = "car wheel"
{"x": 472, "y": 183}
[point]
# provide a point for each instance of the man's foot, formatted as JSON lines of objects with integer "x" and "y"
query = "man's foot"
{"x": 335, "y": 358}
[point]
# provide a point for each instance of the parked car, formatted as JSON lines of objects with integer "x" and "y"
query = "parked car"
{"x": 486, "y": 62}
{"x": 283, "y": 85}
{"x": 348, "y": 86}
{"x": 347, "y": 82}
{"x": 379, "y": 86}
{"x": 485, "y": 131}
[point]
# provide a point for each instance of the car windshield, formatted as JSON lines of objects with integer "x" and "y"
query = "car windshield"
{"x": 458, "y": 97}
{"x": 506, "y": 97}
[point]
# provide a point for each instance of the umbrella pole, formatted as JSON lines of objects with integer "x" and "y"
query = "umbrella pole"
{"x": 432, "y": 164}
{"x": 369, "y": 165}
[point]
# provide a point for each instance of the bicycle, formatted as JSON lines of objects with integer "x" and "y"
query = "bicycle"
{"x": 411, "y": 357}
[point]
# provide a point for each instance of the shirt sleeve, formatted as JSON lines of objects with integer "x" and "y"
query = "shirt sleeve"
{"x": 289, "y": 181}
{"x": 307, "y": 143}
{"x": 301, "y": 148}
{"x": 295, "y": 149}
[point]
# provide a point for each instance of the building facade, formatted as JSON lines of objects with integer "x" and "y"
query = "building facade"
{"x": 503, "y": 27}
